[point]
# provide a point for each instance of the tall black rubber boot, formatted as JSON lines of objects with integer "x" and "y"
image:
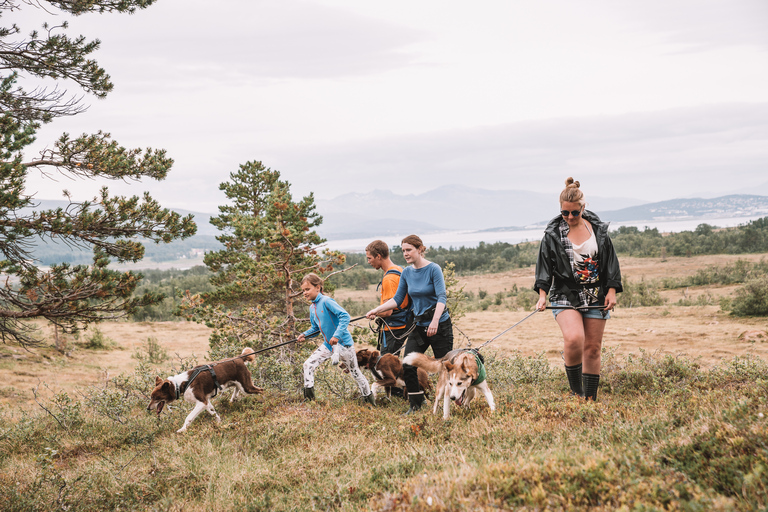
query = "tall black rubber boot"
{"x": 415, "y": 399}
{"x": 415, "y": 394}
{"x": 590, "y": 386}
{"x": 574, "y": 379}
{"x": 309, "y": 393}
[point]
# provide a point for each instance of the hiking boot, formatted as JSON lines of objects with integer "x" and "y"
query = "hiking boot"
{"x": 416, "y": 399}
{"x": 413, "y": 409}
{"x": 309, "y": 393}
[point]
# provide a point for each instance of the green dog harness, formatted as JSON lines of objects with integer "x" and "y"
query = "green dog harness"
{"x": 480, "y": 371}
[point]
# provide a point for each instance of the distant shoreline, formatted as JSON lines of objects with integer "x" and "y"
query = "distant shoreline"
{"x": 467, "y": 238}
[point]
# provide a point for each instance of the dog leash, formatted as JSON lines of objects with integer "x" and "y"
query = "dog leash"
{"x": 506, "y": 330}
{"x": 294, "y": 340}
{"x": 579, "y": 308}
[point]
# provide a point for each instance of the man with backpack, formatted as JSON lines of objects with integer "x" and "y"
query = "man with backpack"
{"x": 394, "y": 325}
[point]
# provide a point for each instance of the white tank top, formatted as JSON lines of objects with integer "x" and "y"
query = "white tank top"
{"x": 587, "y": 249}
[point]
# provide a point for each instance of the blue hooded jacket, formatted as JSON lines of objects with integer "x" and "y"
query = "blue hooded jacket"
{"x": 330, "y": 319}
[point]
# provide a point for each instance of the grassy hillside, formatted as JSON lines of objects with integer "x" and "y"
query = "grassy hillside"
{"x": 665, "y": 435}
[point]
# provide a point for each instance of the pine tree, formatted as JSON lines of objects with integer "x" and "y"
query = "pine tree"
{"x": 269, "y": 245}
{"x": 70, "y": 297}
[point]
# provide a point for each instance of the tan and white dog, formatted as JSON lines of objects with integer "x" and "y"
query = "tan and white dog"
{"x": 460, "y": 373}
{"x": 201, "y": 383}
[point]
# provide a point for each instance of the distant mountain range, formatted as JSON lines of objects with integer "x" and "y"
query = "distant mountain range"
{"x": 736, "y": 205}
{"x": 452, "y": 208}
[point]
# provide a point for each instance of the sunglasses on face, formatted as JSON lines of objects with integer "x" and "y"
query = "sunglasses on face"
{"x": 575, "y": 213}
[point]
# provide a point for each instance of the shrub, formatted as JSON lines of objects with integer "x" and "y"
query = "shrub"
{"x": 98, "y": 341}
{"x": 516, "y": 369}
{"x": 752, "y": 298}
{"x": 638, "y": 294}
{"x": 151, "y": 351}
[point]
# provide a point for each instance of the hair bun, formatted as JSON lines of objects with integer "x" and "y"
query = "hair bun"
{"x": 571, "y": 183}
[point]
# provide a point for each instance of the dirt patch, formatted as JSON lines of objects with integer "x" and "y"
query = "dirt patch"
{"x": 49, "y": 371}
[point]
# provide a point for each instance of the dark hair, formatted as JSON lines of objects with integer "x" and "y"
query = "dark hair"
{"x": 416, "y": 242}
{"x": 378, "y": 248}
{"x": 314, "y": 280}
{"x": 572, "y": 193}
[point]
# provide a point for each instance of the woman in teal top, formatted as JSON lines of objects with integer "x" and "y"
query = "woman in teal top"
{"x": 331, "y": 321}
{"x": 423, "y": 282}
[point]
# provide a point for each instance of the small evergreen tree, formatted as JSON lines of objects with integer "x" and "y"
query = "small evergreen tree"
{"x": 269, "y": 245}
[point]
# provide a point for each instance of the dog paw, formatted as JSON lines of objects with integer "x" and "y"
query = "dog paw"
{"x": 181, "y": 430}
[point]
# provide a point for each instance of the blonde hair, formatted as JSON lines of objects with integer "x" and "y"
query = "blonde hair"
{"x": 416, "y": 242}
{"x": 314, "y": 280}
{"x": 572, "y": 193}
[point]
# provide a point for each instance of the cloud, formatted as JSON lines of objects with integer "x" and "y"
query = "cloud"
{"x": 191, "y": 42}
{"x": 650, "y": 155}
{"x": 694, "y": 25}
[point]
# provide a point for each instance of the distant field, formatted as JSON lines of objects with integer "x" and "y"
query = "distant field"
{"x": 699, "y": 332}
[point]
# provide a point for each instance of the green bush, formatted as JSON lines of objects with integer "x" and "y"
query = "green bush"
{"x": 98, "y": 341}
{"x": 638, "y": 294}
{"x": 752, "y": 298}
{"x": 151, "y": 351}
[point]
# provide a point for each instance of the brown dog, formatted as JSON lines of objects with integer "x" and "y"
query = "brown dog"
{"x": 198, "y": 386}
{"x": 391, "y": 370}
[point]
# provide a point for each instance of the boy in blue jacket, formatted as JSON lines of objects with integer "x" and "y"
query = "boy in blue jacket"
{"x": 331, "y": 320}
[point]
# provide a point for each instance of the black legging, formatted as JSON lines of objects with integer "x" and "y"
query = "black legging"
{"x": 418, "y": 341}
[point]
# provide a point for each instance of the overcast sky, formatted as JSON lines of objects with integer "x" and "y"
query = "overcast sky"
{"x": 651, "y": 100}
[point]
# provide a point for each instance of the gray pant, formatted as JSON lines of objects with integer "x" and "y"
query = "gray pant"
{"x": 347, "y": 354}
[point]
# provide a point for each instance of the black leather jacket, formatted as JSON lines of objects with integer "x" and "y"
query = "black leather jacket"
{"x": 553, "y": 262}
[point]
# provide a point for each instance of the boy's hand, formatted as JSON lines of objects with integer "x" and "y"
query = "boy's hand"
{"x": 301, "y": 338}
{"x": 333, "y": 341}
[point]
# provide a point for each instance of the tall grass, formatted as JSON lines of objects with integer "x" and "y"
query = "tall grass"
{"x": 664, "y": 435}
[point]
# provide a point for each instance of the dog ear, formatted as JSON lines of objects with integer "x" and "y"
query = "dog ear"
{"x": 248, "y": 350}
{"x": 158, "y": 381}
{"x": 166, "y": 386}
{"x": 448, "y": 365}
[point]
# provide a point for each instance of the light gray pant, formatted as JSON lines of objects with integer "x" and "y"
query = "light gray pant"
{"x": 346, "y": 354}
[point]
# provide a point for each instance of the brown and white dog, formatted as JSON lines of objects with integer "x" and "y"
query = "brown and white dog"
{"x": 230, "y": 373}
{"x": 391, "y": 370}
{"x": 460, "y": 373}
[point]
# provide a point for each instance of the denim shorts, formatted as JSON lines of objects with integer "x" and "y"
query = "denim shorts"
{"x": 588, "y": 313}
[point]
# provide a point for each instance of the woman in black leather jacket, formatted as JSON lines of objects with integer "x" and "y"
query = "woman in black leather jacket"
{"x": 577, "y": 266}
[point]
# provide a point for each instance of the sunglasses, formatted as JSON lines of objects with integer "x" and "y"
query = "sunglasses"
{"x": 575, "y": 213}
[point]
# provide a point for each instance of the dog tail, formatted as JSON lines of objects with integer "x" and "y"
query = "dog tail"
{"x": 248, "y": 350}
{"x": 429, "y": 364}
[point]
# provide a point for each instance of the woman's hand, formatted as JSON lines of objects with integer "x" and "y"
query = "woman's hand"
{"x": 371, "y": 314}
{"x": 301, "y": 338}
{"x": 610, "y": 299}
{"x": 333, "y": 341}
{"x": 432, "y": 329}
{"x": 541, "y": 305}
